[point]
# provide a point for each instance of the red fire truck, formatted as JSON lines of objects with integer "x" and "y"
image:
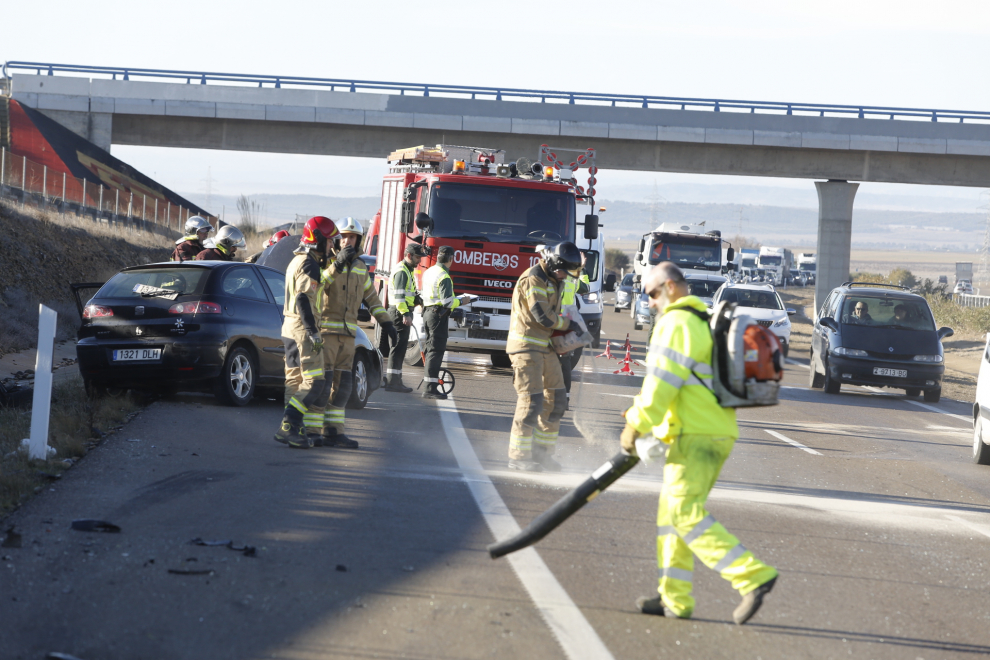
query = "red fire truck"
{"x": 494, "y": 214}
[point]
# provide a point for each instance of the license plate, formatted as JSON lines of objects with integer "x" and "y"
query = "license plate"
{"x": 898, "y": 373}
{"x": 127, "y": 354}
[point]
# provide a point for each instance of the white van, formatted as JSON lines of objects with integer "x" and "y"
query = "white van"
{"x": 592, "y": 303}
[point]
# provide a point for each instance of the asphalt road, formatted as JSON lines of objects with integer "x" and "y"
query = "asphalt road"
{"x": 865, "y": 502}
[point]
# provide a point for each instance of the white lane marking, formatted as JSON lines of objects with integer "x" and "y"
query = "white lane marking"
{"x": 979, "y": 529}
{"x": 963, "y": 418}
{"x": 576, "y": 636}
{"x": 781, "y": 436}
{"x": 797, "y": 364}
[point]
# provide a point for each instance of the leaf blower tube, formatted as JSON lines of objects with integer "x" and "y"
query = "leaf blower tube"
{"x": 566, "y": 506}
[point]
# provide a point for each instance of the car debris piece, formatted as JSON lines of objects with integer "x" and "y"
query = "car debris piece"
{"x": 184, "y": 571}
{"x": 87, "y": 525}
{"x": 11, "y": 539}
{"x": 246, "y": 550}
{"x": 54, "y": 655}
{"x": 341, "y": 568}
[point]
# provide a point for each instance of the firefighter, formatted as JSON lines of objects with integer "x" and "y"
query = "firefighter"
{"x": 276, "y": 237}
{"x": 439, "y": 303}
{"x": 186, "y": 248}
{"x": 228, "y": 239}
{"x": 402, "y": 299}
{"x": 346, "y": 284}
{"x": 537, "y": 374}
{"x": 677, "y": 405}
{"x": 305, "y": 383}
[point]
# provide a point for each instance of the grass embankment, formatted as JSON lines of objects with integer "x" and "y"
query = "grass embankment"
{"x": 78, "y": 423}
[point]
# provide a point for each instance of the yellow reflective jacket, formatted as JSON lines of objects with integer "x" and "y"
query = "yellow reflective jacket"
{"x": 402, "y": 288}
{"x": 302, "y": 276}
{"x": 535, "y": 311}
{"x": 343, "y": 293}
{"x": 676, "y": 397}
{"x": 438, "y": 288}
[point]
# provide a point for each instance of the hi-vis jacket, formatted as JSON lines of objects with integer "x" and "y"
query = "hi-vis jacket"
{"x": 676, "y": 397}
{"x": 535, "y": 311}
{"x": 302, "y": 276}
{"x": 343, "y": 292}
{"x": 402, "y": 288}
{"x": 572, "y": 286}
{"x": 438, "y": 288}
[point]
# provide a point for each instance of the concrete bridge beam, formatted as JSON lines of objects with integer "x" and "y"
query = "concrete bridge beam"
{"x": 835, "y": 206}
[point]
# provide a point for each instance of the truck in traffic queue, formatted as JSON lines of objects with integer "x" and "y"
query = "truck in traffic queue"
{"x": 495, "y": 214}
{"x": 964, "y": 271}
{"x": 807, "y": 265}
{"x": 685, "y": 246}
{"x": 776, "y": 261}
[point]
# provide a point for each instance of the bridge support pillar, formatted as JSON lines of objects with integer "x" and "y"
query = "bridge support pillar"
{"x": 835, "y": 206}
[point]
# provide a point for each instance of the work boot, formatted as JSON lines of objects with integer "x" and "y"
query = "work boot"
{"x": 299, "y": 441}
{"x": 652, "y": 606}
{"x": 286, "y": 431}
{"x": 316, "y": 439}
{"x": 331, "y": 438}
{"x": 546, "y": 460}
{"x": 431, "y": 392}
{"x": 395, "y": 384}
{"x": 751, "y": 603}
{"x": 524, "y": 465}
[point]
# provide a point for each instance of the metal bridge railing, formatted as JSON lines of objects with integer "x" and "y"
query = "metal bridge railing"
{"x": 506, "y": 93}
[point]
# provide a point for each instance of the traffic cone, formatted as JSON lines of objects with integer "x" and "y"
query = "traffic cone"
{"x": 627, "y": 361}
{"x": 608, "y": 352}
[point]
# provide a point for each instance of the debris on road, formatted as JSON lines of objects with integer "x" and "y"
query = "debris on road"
{"x": 341, "y": 568}
{"x": 246, "y": 550}
{"x": 61, "y": 656}
{"x": 184, "y": 571}
{"x": 95, "y": 526}
{"x": 11, "y": 539}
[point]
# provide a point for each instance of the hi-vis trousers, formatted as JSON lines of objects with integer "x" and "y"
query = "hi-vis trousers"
{"x": 685, "y": 528}
{"x": 338, "y": 362}
{"x": 540, "y": 403}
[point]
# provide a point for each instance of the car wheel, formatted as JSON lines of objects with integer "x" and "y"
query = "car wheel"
{"x": 933, "y": 396}
{"x": 361, "y": 390}
{"x": 616, "y": 308}
{"x": 785, "y": 348}
{"x": 638, "y": 326}
{"x": 912, "y": 391}
{"x": 501, "y": 360}
{"x": 981, "y": 450}
{"x": 235, "y": 385}
{"x": 815, "y": 379}
{"x": 830, "y": 385}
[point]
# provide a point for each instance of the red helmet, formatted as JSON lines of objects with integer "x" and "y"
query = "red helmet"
{"x": 318, "y": 228}
{"x": 276, "y": 237}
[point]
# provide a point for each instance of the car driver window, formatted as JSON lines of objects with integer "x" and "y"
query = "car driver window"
{"x": 243, "y": 283}
{"x": 823, "y": 312}
{"x": 276, "y": 282}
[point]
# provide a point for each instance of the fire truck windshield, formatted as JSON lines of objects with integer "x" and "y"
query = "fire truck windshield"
{"x": 501, "y": 214}
{"x": 687, "y": 252}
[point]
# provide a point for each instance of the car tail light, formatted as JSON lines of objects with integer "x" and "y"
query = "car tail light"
{"x": 195, "y": 307}
{"x": 96, "y": 312}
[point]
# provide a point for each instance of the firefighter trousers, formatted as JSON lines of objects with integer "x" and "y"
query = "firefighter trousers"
{"x": 305, "y": 386}
{"x": 338, "y": 363}
{"x": 540, "y": 403}
{"x": 397, "y": 352}
{"x": 685, "y": 528}
{"x": 435, "y": 334}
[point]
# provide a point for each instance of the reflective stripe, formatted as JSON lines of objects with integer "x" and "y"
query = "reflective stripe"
{"x": 681, "y": 359}
{"x": 298, "y": 405}
{"x": 547, "y": 439}
{"x": 704, "y": 382}
{"x": 681, "y": 574}
{"x": 665, "y": 376}
{"x": 520, "y": 444}
{"x": 700, "y": 529}
{"x": 377, "y": 311}
{"x": 367, "y": 284}
{"x": 729, "y": 557}
{"x": 398, "y": 293}
{"x": 394, "y": 371}
{"x": 433, "y": 279}
{"x": 529, "y": 340}
{"x": 529, "y": 294}
{"x": 313, "y": 373}
{"x": 665, "y": 530}
{"x": 427, "y": 379}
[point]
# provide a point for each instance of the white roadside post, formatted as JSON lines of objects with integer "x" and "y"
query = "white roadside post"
{"x": 41, "y": 407}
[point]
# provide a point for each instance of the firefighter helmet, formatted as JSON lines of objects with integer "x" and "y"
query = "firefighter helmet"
{"x": 230, "y": 236}
{"x": 349, "y": 225}
{"x": 318, "y": 229}
{"x": 196, "y": 224}
{"x": 276, "y": 237}
{"x": 563, "y": 256}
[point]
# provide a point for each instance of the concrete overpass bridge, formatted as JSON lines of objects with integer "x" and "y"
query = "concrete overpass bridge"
{"x": 832, "y": 144}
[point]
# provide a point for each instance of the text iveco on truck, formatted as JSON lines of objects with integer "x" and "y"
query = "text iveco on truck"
{"x": 494, "y": 214}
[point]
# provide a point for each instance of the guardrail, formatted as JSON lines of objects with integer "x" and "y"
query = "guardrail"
{"x": 503, "y": 93}
{"x": 32, "y": 183}
{"x": 970, "y": 300}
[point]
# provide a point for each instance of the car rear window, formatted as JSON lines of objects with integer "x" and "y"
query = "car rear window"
{"x": 885, "y": 312}
{"x": 182, "y": 280}
{"x": 752, "y": 298}
{"x": 703, "y": 288}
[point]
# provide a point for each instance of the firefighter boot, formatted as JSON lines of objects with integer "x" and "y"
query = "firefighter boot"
{"x": 431, "y": 392}
{"x": 331, "y": 438}
{"x": 395, "y": 384}
{"x": 288, "y": 432}
{"x": 524, "y": 465}
{"x": 751, "y": 603}
{"x": 652, "y": 606}
{"x": 316, "y": 439}
{"x": 541, "y": 456}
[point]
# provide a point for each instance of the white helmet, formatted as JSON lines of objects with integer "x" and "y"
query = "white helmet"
{"x": 350, "y": 226}
{"x": 197, "y": 223}
{"x": 230, "y": 236}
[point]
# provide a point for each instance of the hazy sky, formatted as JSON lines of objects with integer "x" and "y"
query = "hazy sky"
{"x": 879, "y": 52}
